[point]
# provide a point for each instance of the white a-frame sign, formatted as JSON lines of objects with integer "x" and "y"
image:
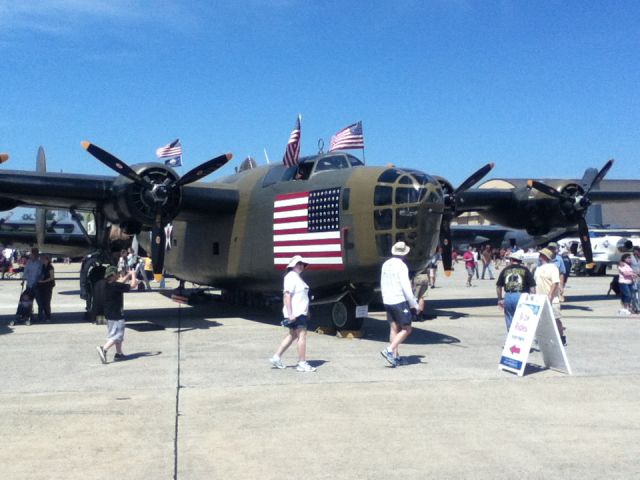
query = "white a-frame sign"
{"x": 533, "y": 319}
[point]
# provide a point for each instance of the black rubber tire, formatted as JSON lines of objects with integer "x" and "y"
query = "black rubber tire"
{"x": 343, "y": 315}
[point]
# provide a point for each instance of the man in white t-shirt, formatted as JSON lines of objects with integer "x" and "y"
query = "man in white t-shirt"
{"x": 398, "y": 299}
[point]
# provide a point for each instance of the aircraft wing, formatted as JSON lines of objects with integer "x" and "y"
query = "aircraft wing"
{"x": 53, "y": 190}
{"x": 480, "y": 199}
{"x": 91, "y": 192}
{"x": 598, "y": 196}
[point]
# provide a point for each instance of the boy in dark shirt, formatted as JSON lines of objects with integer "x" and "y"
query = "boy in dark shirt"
{"x": 113, "y": 303}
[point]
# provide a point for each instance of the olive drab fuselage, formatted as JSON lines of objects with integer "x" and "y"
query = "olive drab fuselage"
{"x": 377, "y": 207}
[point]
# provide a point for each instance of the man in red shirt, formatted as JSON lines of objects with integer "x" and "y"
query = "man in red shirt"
{"x": 469, "y": 264}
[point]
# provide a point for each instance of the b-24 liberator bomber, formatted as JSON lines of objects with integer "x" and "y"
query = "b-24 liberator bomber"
{"x": 237, "y": 233}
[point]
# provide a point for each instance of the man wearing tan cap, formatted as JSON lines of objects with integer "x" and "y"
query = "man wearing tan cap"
{"x": 547, "y": 277}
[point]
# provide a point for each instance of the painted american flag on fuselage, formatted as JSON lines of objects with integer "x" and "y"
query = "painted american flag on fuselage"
{"x": 308, "y": 224}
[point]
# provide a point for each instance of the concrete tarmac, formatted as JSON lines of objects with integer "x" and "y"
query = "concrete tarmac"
{"x": 196, "y": 397}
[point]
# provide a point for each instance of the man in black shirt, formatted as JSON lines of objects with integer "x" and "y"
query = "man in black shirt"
{"x": 113, "y": 303}
{"x": 515, "y": 279}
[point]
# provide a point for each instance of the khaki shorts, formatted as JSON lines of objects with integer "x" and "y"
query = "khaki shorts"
{"x": 421, "y": 286}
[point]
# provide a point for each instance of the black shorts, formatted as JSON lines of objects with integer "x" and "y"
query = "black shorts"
{"x": 300, "y": 322}
{"x": 399, "y": 313}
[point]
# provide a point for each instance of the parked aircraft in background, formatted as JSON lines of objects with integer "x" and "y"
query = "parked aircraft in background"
{"x": 607, "y": 248}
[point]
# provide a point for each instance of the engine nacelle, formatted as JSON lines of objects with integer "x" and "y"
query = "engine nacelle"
{"x": 624, "y": 245}
{"x": 140, "y": 203}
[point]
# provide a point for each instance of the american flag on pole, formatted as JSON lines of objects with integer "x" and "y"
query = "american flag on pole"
{"x": 308, "y": 224}
{"x": 171, "y": 153}
{"x": 293, "y": 147}
{"x": 347, "y": 138}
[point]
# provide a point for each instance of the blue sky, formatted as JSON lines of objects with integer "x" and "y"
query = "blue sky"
{"x": 541, "y": 88}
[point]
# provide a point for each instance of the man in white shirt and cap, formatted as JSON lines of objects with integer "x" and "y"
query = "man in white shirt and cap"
{"x": 398, "y": 299}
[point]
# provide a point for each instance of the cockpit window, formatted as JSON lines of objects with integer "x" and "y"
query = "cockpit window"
{"x": 355, "y": 162}
{"x": 304, "y": 171}
{"x": 277, "y": 174}
{"x": 332, "y": 163}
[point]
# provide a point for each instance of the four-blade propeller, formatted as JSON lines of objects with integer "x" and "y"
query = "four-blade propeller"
{"x": 158, "y": 192}
{"x": 577, "y": 203}
{"x": 450, "y": 211}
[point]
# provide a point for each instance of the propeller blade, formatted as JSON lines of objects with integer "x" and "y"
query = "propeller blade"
{"x": 203, "y": 170}
{"x": 474, "y": 178}
{"x": 445, "y": 235}
{"x": 114, "y": 163}
{"x": 598, "y": 178}
{"x": 544, "y": 188}
{"x": 158, "y": 245}
{"x": 41, "y": 225}
{"x": 583, "y": 232}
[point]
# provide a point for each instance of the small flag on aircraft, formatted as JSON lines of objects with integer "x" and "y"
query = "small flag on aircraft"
{"x": 347, "y": 138}
{"x": 308, "y": 224}
{"x": 171, "y": 153}
{"x": 293, "y": 147}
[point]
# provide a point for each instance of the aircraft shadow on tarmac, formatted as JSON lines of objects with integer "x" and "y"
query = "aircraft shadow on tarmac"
{"x": 141, "y": 320}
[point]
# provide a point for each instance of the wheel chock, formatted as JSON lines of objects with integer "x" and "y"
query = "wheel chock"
{"x": 350, "y": 333}
{"x": 326, "y": 330}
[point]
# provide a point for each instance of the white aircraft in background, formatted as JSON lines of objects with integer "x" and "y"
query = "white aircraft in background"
{"x": 607, "y": 249}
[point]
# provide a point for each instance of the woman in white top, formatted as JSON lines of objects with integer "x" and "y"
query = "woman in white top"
{"x": 295, "y": 311}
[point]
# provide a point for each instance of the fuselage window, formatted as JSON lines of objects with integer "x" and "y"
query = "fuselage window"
{"x": 382, "y": 195}
{"x": 216, "y": 248}
{"x": 407, "y": 195}
{"x": 383, "y": 219}
{"x": 407, "y": 217}
{"x": 389, "y": 175}
{"x": 346, "y": 195}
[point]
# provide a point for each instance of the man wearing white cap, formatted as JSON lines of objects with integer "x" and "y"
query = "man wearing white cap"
{"x": 295, "y": 311}
{"x": 398, "y": 300}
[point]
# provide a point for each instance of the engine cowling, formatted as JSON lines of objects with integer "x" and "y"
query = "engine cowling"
{"x": 138, "y": 204}
{"x": 624, "y": 245}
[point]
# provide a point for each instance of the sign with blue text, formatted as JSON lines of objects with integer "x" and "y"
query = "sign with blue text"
{"x": 533, "y": 319}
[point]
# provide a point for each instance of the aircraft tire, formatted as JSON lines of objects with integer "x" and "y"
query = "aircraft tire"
{"x": 343, "y": 315}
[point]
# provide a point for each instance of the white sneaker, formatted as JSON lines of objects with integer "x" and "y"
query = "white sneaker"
{"x": 102, "y": 354}
{"x": 276, "y": 362}
{"x": 305, "y": 367}
{"x": 624, "y": 311}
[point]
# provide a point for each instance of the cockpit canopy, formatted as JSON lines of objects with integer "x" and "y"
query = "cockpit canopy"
{"x": 309, "y": 166}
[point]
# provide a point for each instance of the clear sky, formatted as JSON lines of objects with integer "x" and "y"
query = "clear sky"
{"x": 541, "y": 88}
